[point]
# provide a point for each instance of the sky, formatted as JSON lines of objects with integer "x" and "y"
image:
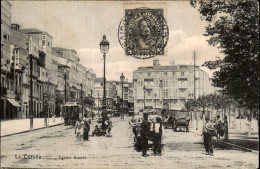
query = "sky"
{"x": 80, "y": 25}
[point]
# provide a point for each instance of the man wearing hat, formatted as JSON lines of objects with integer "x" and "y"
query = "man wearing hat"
{"x": 145, "y": 130}
{"x": 157, "y": 140}
{"x": 207, "y": 131}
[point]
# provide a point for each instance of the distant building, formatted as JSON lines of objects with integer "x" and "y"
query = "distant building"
{"x": 98, "y": 93}
{"x": 167, "y": 87}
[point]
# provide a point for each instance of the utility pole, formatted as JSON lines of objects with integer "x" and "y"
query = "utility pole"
{"x": 81, "y": 97}
{"x": 194, "y": 55}
{"x": 65, "y": 95}
{"x": 98, "y": 103}
{"x": 31, "y": 92}
{"x": 91, "y": 105}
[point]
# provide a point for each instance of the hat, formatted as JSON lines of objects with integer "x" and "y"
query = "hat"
{"x": 207, "y": 118}
{"x": 158, "y": 119}
{"x": 145, "y": 115}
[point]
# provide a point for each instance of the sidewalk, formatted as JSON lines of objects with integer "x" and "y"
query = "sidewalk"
{"x": 238, "y": 134}
{"x": 10, "y": 127}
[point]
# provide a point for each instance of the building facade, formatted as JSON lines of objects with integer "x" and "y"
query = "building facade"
{"x": 167, "y": 87}
{"x": 7, "y": 87}
{"x": 98, "y": 93}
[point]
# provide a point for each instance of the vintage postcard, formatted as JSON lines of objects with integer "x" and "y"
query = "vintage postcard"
{"x": 129, "y": 84}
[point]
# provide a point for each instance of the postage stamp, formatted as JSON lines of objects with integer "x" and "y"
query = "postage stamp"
{"x": 143, "y": 33}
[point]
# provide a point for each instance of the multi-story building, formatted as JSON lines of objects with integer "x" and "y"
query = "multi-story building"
{"x": 74, "y": 79}
{"x": 80, "y": 81}
{"x": 20, "y": 70}
{"x": 45, "y": 64}
{"x": 7, "y": 89}
{"x": 130, "y": 96}
{"x": 167, "y": 87}
{"x": 90, "y": 77}
{"x": 125, "y": 93}
{"x": 98, "y": 93}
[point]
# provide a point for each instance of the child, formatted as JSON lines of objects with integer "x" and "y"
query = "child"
{"x": 77, "y": 127}
{"x": 96, "y": 131}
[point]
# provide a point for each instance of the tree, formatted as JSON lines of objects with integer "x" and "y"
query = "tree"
{"x": 234, "y": 28}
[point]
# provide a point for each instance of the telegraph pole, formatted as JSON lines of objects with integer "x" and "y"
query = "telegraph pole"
{"x": 65, "y": 95}
{"x": 81, "y": 100}
{"x": 98, "y": 103}
{"x": 31, "y": 93}
{"x": 194, "y": 54}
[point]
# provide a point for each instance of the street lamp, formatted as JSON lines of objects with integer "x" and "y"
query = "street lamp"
{"x": 122, "y": 79}
{"x": 104, "y": 48}
{"x": 31, "y": 92}
{"x": 144, "y": 95}
{"x": 155, "y": 95}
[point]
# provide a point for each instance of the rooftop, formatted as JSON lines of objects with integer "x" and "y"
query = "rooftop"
{"x": 63, "y": 49}
{"x": 34, "y": 31}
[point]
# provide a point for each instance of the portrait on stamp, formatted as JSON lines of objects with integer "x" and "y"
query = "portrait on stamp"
{"x": 146, "y": 33}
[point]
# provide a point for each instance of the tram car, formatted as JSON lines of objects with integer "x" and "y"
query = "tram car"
{"x": 71, "y": 113}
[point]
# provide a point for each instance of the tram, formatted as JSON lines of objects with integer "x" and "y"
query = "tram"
{"x": 71, "y": 113}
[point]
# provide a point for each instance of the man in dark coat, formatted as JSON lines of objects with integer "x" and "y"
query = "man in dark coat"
{"x": 86, "y": 127}
{"x": 145, "y": 130}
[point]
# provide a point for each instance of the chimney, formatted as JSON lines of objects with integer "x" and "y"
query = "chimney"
{"x": 15, "y": 26}
{"x": 156, "y": 62}
{"x": 172, "y": 63}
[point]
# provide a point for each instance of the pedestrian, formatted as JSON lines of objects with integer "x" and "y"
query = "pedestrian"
{"x": 208, "y": 132}
{"x": 219, "y": 128}
{"x": 86, "y": 127}
{"x": 157, "y": 140}
{"x": 145, "y": 130}
{"x": 173, "y": 122}
{"x": 78, "y": 127}
{"x": 109, "y": 128}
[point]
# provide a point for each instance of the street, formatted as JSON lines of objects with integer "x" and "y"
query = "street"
{"x": 57, "y": 147}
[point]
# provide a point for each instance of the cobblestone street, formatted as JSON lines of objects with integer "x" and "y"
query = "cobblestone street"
{"x": 57, "y": 147}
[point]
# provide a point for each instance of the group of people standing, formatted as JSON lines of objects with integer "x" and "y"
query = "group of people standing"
{"x": 150, "y": 130}
{"x": 103, "y": 130}
{"x": 86, "y": 127}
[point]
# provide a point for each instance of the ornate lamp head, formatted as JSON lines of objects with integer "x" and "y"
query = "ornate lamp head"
{"x": 104, "y": 45}
{"x": 122, "y": 78}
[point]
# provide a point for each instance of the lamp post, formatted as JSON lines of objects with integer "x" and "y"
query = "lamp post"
{"x": 46, "y": 97}
{"x": 104, "y": 48}
{"x": 144, "y": 95}
{"x": 81, "y": 98}
{"x": 122, "y": 79}
{"x": 155, "y": 95}
{"x": 31, "y": 93}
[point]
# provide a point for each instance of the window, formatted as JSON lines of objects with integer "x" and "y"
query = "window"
{"x": 165, "y": 83}
{"x": 149, "y": 74}
{"x": 101, "y": 84}
{"x": 182, "y": 73}
{"x": 165, "y": 93}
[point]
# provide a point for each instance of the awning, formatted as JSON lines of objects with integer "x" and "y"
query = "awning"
{"x": 13, "y": 102}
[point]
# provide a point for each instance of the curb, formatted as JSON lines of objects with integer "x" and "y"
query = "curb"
{"x": 21, "y": 132}
{"x": 234, "y": 145}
